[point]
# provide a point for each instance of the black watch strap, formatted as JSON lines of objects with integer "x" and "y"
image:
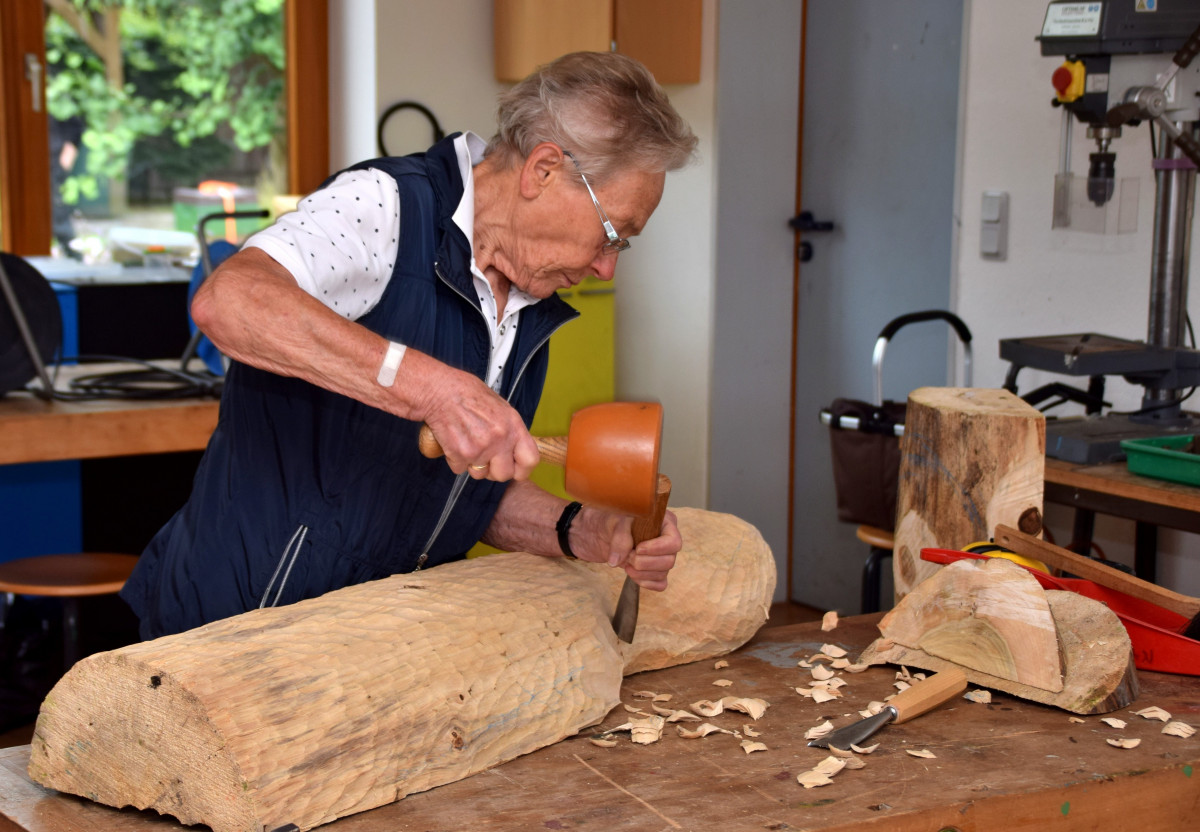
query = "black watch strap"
{"x": 563, "y": 527}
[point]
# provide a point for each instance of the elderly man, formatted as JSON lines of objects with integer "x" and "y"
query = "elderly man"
{"x": 412, "y": 290}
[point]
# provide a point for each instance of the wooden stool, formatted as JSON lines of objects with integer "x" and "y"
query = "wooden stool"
{"x": 881, "y": 543}
{"x": 69, "y": 577}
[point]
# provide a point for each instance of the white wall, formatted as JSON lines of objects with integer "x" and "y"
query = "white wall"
{"x": 665, "y": 282}
{"x": 1053, "y": 282}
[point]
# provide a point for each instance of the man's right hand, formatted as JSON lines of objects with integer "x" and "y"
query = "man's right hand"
{"x": 479, "y": 431}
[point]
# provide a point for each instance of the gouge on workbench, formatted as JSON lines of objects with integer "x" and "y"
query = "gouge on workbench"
{"x": 609, "y": 458}
{"x": 909, "y": 703}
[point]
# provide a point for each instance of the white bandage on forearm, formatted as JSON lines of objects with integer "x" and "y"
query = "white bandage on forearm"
{"x": 391, "y": 362}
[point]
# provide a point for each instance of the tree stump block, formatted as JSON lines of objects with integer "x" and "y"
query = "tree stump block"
{"x": 309, "y": 712}
{"x": 970, "y": 459}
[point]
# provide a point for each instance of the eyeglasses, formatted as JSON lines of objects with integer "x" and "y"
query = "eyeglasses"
{"x": 615, "y": 242}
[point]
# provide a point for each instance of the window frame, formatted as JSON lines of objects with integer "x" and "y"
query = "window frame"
{"x": 25, "y": 222}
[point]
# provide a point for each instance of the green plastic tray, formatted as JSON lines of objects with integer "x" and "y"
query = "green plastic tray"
{"x": 1160, "y": 457}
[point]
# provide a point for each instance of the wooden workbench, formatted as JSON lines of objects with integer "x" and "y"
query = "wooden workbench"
{"x": 39, "y": 431}
{"x": 1011, "y": 765}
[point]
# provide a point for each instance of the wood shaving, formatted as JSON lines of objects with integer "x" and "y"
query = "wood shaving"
{"x": 720, "y": 664}
{"x": 830, "y": 766}
{"x": 1178, "y": 729}
{"x": 722, "y": 683}
{"x": 833, "y": 650}
{"x": 602, "y": 742}
{"x": 813, "y": 780}
{"x": 983, "y": 697}
{"x": 804, "y": 663}
{"x": 901, "y": 685}
{"x": 628, "y": 726}
{"x": 750, "y": 746}
{"x": 1154, "y": 712}
{"x": 856, "y": 668}
{"x": 706, "y": 707}
{"x": 835, "y": 683}
{"x": 754, "y": 707}
{"x": 1113, "y": 722}
{"x": 820, "y": 695}
{"x": 749, "y": 731}
{"x": 702, "y": 731}
{"x": 924, "y": 753}
{"x": 873, "y": 708}
{"x": 819, "y": 730}
{"x": 840, "y": 664}
{"x": 860, "y": 750}
{"x": 634, "y": 710}
{"x": 903, "y": 673}
{"x": 663, "y": 697}
{"x": 676, "y": 716}
{"x": 821, "y": 673}
{"x": 829, "y": 621}
{"x": 1077, "y": 720}
{"x": 853, "y": 762}
{"x": 648, "y": 730}
{"x": 1124, "y": 743}
{"x": 644, "y": 694}
{"x": 840, "y": 752}
{"x": 820, "y": 657}
{"x": 919, "y": 677}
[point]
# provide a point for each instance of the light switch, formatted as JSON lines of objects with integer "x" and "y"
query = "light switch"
{"x": 993, "y": 225}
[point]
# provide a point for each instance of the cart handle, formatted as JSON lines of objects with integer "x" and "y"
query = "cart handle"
{"x": 894, "y": 325}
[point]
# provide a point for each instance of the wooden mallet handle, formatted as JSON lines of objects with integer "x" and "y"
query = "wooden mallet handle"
{"x": 552, "y": 448}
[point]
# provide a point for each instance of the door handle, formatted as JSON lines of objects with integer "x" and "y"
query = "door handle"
{"x": 804, "y": 222}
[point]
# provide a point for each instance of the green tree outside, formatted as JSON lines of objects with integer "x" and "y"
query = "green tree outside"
{"x": 163, "y": 84}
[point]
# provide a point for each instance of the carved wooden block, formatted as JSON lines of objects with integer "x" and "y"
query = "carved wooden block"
{"x": 970, "y": 459}
{"x": 309, "y": 712}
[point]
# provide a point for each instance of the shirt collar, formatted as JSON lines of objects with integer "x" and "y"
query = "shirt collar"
{"x": 469, "y": 148}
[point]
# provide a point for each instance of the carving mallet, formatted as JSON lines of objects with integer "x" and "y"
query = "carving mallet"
{"x": 609, "y": 458}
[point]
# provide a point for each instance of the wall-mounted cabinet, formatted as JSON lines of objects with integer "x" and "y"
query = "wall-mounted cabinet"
{"x": 662, "y": 34}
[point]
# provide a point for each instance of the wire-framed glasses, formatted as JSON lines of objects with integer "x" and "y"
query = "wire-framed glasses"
{"x": 615, "y": 242}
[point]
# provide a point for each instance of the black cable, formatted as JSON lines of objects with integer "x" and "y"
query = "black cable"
{"x": 150, "y": 382}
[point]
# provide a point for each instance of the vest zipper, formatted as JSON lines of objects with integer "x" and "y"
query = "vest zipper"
{"x": 297, "y": 541}
{"x": 460, "y": 481}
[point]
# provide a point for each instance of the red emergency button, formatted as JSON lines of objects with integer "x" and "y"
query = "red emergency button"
{"x": 1068, "y": 80}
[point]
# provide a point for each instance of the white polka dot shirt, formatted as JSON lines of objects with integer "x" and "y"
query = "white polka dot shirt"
{"x": 341, "y": 242}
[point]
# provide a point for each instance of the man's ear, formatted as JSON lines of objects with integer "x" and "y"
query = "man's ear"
{"x": 541, "y": 167}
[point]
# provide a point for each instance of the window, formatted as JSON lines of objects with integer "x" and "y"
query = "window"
{"x": 25, "y": 158}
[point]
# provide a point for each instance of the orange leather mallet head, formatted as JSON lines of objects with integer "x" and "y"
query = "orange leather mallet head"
{"x": 609, "y": 455}
{"x": 612, "y": 455}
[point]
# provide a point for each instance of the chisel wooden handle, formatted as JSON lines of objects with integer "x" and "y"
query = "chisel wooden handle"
{"x": 1058, "y": 558}
{"x": 552, "y": 448}
{"x": 647, "y": 527}
{"x": 927, "y": 694}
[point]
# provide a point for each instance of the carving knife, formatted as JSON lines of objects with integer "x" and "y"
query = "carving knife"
{"x": 921, "y": 698}
{"x": 624, "y": 620}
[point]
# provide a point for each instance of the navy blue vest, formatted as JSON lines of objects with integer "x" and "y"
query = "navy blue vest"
{"x": 302, "y": 491}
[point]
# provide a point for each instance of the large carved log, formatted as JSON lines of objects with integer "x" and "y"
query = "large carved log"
{"x": 969, "y": 459}
{"x": 306, "y": 713}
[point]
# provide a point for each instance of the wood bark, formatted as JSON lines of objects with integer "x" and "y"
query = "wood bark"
{"x": 310, "y": 712}
{"x": 970, "y": 459}
{"x": 1098, "y": 675}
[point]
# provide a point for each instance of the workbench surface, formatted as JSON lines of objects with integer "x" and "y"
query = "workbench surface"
{"x": 1010, "y": 765}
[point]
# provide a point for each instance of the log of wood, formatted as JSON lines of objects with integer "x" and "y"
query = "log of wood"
{"x": 1097, "y": 657}
{"x": 970, "y": 459}
{"x": 309, "y": 712}
{"x": 992, "y": 616}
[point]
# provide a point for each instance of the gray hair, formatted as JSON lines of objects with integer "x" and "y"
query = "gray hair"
{"x": 604, "y": 108}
